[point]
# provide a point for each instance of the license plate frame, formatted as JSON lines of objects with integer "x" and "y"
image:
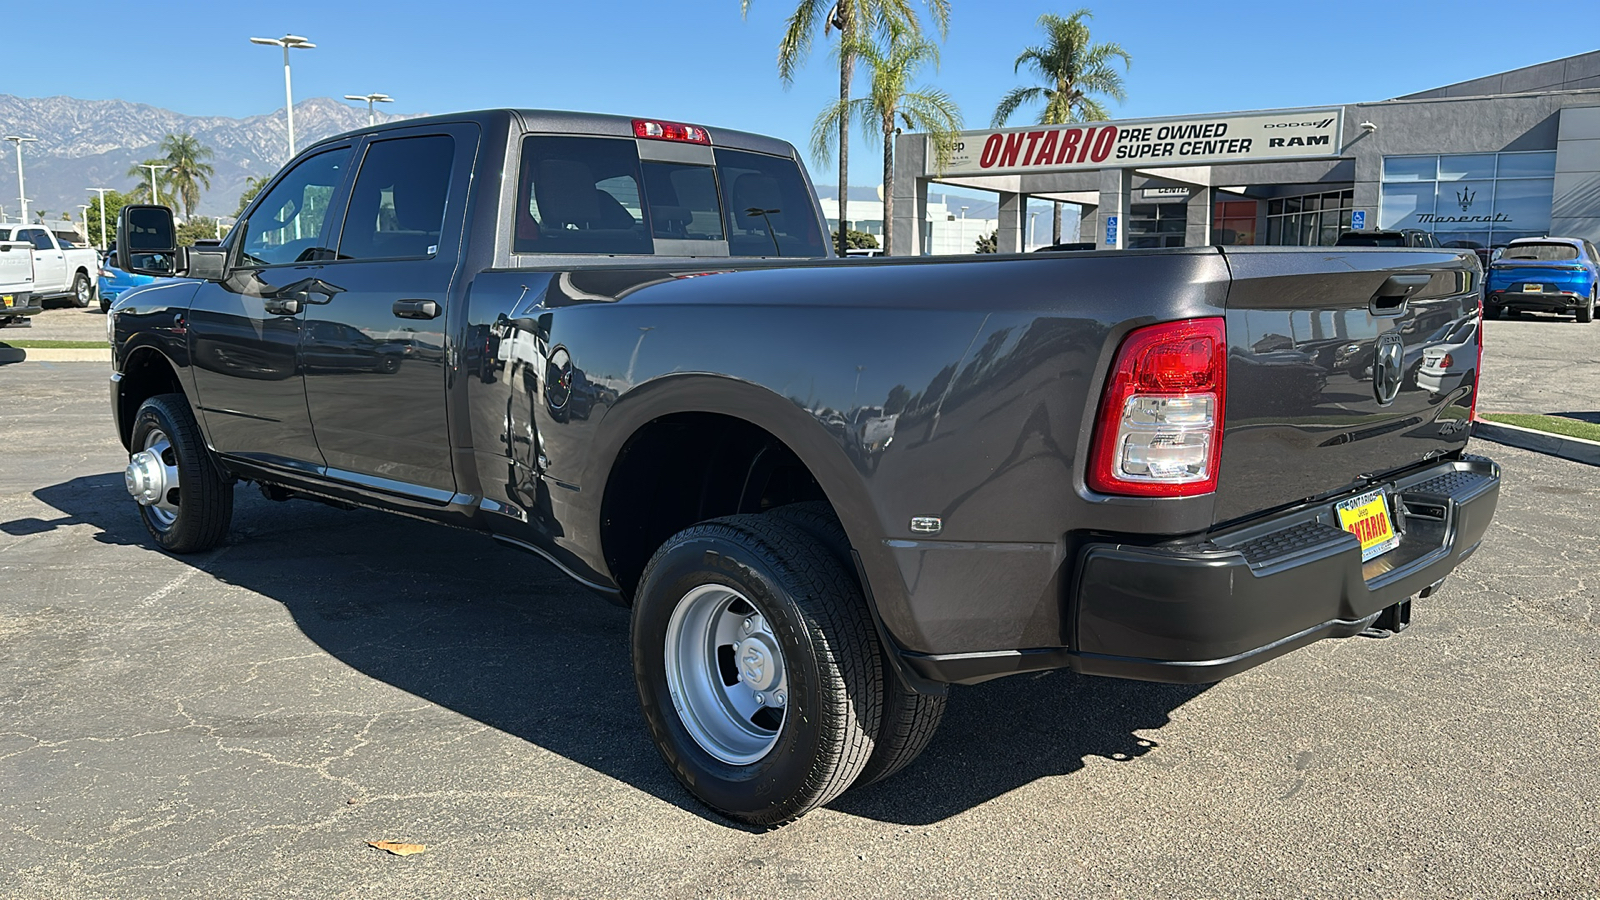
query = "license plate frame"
{"x": 1533, "y": 289}
{"x": 6, "y": 300}
{"x": 1369, "y": 518}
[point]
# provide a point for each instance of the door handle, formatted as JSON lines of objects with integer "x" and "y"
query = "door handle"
{"x": 308, "y": 290}
{"x": 416, "y": 309}
{"x": 1390, "y": 298}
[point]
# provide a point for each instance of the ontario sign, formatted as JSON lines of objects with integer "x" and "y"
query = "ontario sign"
{"x": 1151, "y": 143}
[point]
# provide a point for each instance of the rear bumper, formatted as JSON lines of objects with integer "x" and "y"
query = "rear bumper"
{"x": 1548, "y": 301}
{"x": 1203, "y": 609}
{"x": 23, "y": 303}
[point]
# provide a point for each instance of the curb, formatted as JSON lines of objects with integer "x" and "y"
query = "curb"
{"x": 61, "y": 354}
{"x": 1575, "y": 449}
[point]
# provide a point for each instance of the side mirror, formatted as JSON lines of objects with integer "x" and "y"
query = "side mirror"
{"x": 147, "y": 234}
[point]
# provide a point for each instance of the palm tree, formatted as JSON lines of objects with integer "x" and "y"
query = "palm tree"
{"x": 890, "y": 100}
{"x": 187, "y": 169}
{"x": 1074, "y": 70}
{"x": 141, "y": 192}
{"x": 252, "y": 187}
{"x": 855, "y": 20}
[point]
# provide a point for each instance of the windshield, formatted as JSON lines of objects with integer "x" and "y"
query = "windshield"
{"x": 1541, "y": 252}
{"x": 5, "y": 234}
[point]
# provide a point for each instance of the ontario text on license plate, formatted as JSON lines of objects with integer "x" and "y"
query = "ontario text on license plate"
{"x": 1367, "y": 517}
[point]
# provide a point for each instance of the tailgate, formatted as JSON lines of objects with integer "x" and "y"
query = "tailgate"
{"x": 1324, "y": 348}
{"x": 16, "y": 266}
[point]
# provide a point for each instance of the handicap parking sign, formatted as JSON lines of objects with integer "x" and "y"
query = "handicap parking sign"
{"x": 1111, "y": 230}
{"x": 1358, "y": 219}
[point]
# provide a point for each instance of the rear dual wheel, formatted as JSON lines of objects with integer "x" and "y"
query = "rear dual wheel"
{"x": 758, "y": 667}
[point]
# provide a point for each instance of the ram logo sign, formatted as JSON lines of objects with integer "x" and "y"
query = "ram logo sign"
{"x": 1205, "y": 140}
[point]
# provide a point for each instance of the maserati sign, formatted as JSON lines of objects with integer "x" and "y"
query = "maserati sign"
{"x": 1205, "y": 140}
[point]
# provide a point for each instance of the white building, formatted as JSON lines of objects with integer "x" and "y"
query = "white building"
{"x": 952, "y": 228}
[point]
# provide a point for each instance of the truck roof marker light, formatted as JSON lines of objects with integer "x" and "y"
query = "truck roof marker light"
{"x": 670, "y": 131}
{"x": 1159, "y": 429}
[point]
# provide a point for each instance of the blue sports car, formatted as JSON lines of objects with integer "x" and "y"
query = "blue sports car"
{"x": 1549, "y": 274}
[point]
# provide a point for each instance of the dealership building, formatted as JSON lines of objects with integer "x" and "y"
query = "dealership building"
{"x": 1476, "y": 163}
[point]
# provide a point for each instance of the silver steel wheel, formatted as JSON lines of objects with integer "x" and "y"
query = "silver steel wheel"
{"x": 152, "y": 479}
{"x": 81, "y": 292}
{"x": 726, "y": 674}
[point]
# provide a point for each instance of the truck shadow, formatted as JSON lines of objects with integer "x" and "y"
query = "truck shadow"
{"x": 505, "y": 639}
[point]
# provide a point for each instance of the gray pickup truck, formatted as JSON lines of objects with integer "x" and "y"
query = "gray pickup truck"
{"x": 827, "y": 489}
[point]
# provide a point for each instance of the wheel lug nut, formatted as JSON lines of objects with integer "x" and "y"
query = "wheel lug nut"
{"x": 761, "y": 698}
{"x": 749, "y": 625}
{"x": 779, "y": 698}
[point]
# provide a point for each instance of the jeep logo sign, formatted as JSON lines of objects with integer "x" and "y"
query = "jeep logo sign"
{"x": 1207, "y": 140}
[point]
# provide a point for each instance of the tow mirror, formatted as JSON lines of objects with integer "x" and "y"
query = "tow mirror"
{"x": 147, "y": 240}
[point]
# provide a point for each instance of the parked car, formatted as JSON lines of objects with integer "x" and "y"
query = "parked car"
{"x": 1077, "y": 245}
{"x": 827, "y": 489}
{"x": 1546, "y": 274}
{"x": 1450, "y": 362}
{"x": 114, "y": 281}
{"x": 59, "y": 271}
{"x": 1405, "y": 237}
{"x": 16, "y": 282}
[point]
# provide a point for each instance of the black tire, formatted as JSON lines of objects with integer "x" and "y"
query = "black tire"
{"x": 829, "y": 654}
{"x": 1586, "y": 313}
{"x": 1493, "y": 311}
{"x": 82, "y": 291}
{"x": 910, "y": 718}
{"x": 105, "y": 305}
{"x": 203, "y": 505}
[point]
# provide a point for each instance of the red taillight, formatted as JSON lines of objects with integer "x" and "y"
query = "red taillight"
{"x": 1159, "y": 431}
{"x": 1447, "y": 362}
{"x": 670, "y": 131}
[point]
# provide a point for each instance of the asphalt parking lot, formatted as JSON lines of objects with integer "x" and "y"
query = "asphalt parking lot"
{"x": 240, "y": 723}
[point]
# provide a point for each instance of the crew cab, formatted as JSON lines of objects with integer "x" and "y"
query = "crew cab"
{"x": 1545, "y": 274}
{"x": 827, "y": 489}
{"x": 60, "y": 271}
{"x": 16, "y": 282}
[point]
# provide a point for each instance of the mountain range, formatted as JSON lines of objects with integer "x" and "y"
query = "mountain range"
{"x": 92, "y": 143}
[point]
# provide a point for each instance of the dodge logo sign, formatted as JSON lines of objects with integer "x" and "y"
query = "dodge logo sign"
{"x": 1387, "y": 368}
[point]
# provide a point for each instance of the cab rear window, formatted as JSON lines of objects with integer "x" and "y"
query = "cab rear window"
{"x": 590, "y": 195}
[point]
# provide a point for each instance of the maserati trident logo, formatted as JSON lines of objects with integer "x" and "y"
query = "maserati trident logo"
{"x": 1388, "y": 368}
{"x": 1465, "y": 196}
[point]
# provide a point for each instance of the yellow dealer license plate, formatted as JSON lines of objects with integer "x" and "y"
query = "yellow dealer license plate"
{"x": 1533, "y": 289}
{"x": 1367, "y": 517}
{"x": 5, "y": 300}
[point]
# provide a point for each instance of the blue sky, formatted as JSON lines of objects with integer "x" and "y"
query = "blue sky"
{"x": 698, "y": 61}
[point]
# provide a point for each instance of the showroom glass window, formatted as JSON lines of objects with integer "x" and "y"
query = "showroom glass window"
{"x": 1472, "y": 200}
{"x": 1309, "y": 220}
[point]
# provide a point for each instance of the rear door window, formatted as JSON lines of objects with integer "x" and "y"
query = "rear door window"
{"x": 580, "y": 195}
{"x": 768, "y": 209}
{"x": 397, "y": 204}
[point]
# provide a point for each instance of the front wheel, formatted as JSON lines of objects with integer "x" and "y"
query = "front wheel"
{"x": 82, "y": 291}
{"x": 758, "y": 667}
{"x": 184, "y": 499}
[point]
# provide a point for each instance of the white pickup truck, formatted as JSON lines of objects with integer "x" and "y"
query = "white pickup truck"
{"x": 16, "y": 282}
{"x": 59, "y": 271}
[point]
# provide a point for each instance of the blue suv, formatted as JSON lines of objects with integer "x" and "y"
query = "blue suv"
{"x": 1549, "y": 274}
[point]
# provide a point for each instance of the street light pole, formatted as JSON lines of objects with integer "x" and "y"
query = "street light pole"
{"x": 85, "y": 212}
{"x": 155, "y": 189}
{"x": 102, "y": 192}
{"x": 287, "y": 42}
{"x": 372, "y": 118}
{"x": 22, "y": 191}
